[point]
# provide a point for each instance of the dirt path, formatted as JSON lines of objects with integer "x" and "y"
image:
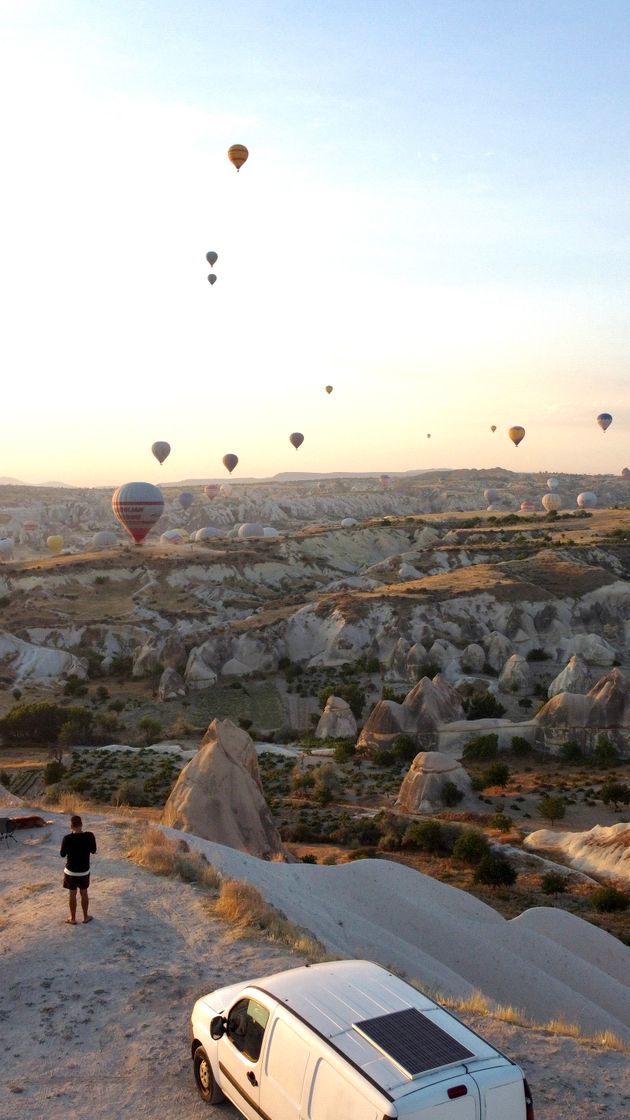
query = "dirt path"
{"x": 95, "y": 1018}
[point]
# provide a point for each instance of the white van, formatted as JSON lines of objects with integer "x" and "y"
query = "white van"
{"x": 347, "y": 1040}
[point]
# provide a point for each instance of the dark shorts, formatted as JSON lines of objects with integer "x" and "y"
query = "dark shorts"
{"x": 76, "y": 882}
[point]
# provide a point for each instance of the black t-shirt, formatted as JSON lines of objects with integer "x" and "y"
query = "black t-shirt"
{"x": 76, "y": 847}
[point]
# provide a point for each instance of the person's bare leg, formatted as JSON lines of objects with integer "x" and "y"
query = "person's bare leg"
{"x": 84, "y": 905}
{"x": 72, "y": 900}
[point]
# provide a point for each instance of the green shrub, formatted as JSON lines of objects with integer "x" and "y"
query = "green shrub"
{"x": 470, "y": 847}
{"x": 570, "y": 752}
{"x": 520, "y": 746}
{"x": 496, "y": 775}
{"x": 344, "y": 750}
{"x": 451, "y": 795}
{"x": 616, "y": 792}
{"x": 426, "y": 836}
{"x": 131, "y": 792}
{"x": 553, "y": 882}
{"x": 483, "y": 705}
{"x": 404, "y": 748}
{"x": 33, "y": 723}
{"x": 537, "y": 654}
{"x": 494, "y": 870}
{"x": 502, "y": 822}
{"x": 53, "y": 773}
{"x": 151, "y": 729}
{"x": 481, "y": 748}
{"x": 74, "y": 686}
{"x": 607, "y": 900}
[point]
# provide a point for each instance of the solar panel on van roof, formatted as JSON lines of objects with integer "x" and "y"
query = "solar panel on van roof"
{"x": 412, "y": 1041}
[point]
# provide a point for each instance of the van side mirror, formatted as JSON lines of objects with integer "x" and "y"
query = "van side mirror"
{"x": 217, "y": 1027}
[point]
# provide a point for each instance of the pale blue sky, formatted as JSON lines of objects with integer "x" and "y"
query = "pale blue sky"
{"x": 433, "y": 219}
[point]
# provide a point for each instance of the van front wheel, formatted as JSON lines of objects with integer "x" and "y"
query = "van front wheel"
{"x": 204, "y": 1077}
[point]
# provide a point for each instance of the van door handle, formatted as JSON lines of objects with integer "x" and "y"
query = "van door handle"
{"x": 251, "y": 1077}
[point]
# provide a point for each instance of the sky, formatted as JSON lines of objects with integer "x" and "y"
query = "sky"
{"x": 433, "y": 219}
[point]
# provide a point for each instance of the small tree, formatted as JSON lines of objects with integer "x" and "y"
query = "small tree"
{"x": 53, "y": 772}
{"x": 520, "y": 746}
{"x": 617, "y": 792}
{"x": 552, "y": 882}
{"x": 552, "y": 808}
{"x": 495, "y": 870}
{"x": 326, "y": 786}
{"x": 151, "y": 729}
{"x": 604, "y": 753}
{"x": 404, "y": 748}
{"x": 470, "y": 847}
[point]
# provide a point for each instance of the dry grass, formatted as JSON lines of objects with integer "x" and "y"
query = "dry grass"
{"x": 245, "y": 910}
{"x": 155, "y": 851}
{"x": 477, "y": 1004}
{"x": 238, "y": 904}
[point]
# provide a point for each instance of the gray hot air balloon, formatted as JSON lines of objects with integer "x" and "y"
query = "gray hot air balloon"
{"x": 229, "y": 461}
{"x": 297, "y": 439}
{"x": 212, "y": 258}
{"x": 161, "y": 449}
{"x": 212, "y": 278}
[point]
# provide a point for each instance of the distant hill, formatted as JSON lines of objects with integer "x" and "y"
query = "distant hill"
{"x": 6, "y": 481}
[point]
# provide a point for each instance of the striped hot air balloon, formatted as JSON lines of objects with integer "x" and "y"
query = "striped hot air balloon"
{"x": 137, "y": 506}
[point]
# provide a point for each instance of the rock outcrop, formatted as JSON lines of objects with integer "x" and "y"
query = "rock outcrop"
{"x": 515, "y": 675}
{"x": 573, "y": 678}
{"x": 219, "y": 797}
{"x": 430, "y": 704}
{"x": 421, "y": 790}
{"x": 337, "y": 720}
{"x": 604, "y": 709}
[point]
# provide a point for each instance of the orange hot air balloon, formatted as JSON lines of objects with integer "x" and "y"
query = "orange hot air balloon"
{"x": 237, "y": 155}
{"x": 516, "y": 434}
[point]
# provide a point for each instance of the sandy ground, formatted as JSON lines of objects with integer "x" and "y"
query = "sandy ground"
{"x": 94, "y": 1018}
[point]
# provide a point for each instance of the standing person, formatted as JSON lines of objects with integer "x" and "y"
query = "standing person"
{"x": 77, "y": 846}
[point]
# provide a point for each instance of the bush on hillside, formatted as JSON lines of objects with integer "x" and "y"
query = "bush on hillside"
{"x": 607, "y": 900}
{"x": 494, "y": 870}
{"x": 470, "y": 847}
{"x": 481, "y": 748}
{"x": 483, "y": 705}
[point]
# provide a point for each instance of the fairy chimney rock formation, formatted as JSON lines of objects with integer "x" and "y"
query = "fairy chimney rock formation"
{"x": 336, "y": 721}
{"x": 219, "y": 797}
{"x": 421, "y": 790}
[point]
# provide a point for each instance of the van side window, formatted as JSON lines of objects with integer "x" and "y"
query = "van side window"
{"x": 246, "y": 1026}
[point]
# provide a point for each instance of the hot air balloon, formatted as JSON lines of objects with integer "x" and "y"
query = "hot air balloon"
{"x": 212, "y": 258}
{"x": 624, "y": 474}
{"x": 161, "y": 450}
{"x": 297, "y": 439}
{"x": 207, "y": 533}
{"x": 212, "y": 278}
{"x": 226, "y": 489}
{"x": 137, "y": 506}
{"x": 604, "y": 420}
{"x": 6, "y": 548}
{"x": 212, "y": 491}
{"x": 104, "y": 539}
{"x": 516, "y": 434}
{"x": 527, "y": 506}
{"x": 551, "y": 502}
{"x": 237, "y": 155}
{"x": 329, "y": 389}
{"x": 230, "y": 461}
{"x": 185, "y": 499}
{"x": 55, "y": 543}
{"x": 493, "y": 427}
{"x": 587, "y": 500}
{"x": 172, "y": 536}
{"x": 428, "y": 435}
{"x": 552, "y": 484}
{"x": 251, "y": 529}
{"x": 491, "y": 494}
